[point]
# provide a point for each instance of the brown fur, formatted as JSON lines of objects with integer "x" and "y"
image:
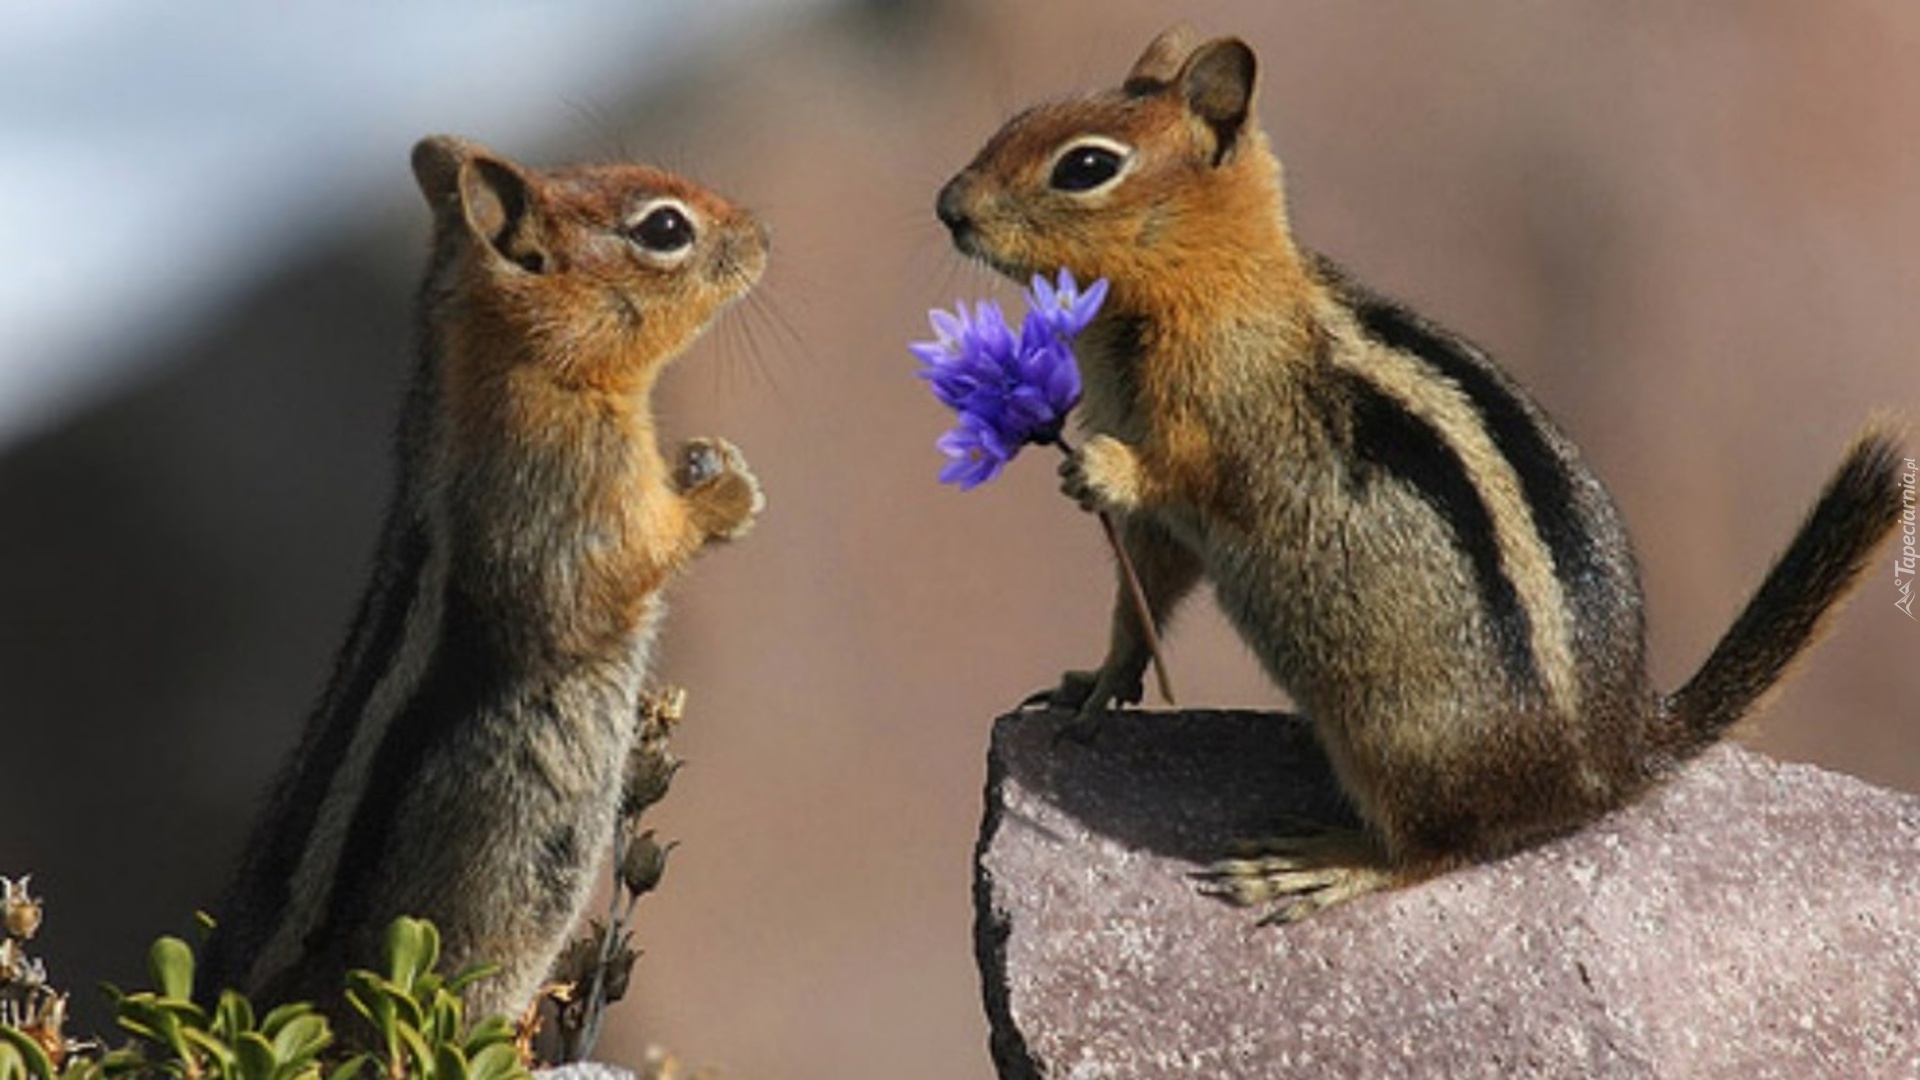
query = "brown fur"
{"x": 466, "y": 761}
{"x": 1410, "y": 546}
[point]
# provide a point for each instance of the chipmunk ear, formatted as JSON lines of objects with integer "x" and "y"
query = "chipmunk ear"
{"x": 1217, "y": 83}
{"x": 1160, "y": 64}
{"x": 491, "y": 196}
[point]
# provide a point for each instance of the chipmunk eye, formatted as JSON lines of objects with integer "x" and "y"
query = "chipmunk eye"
{"x": 663, "y": 230}
{"x": 1088, "y": 165}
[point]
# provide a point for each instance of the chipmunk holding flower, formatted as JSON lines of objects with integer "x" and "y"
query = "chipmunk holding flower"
{"x": 465, "y": 763}
{"x": 1414, "y": 551}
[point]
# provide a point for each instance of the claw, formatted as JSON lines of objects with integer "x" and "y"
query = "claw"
{"x": 1088, "y": 696}
{"x": 1038, "y": 701}
{"x": 1075, "y": 689}
{"x": 1313, "y": 868}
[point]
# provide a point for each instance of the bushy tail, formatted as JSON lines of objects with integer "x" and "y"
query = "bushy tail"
{"x": 1859, "y": 506}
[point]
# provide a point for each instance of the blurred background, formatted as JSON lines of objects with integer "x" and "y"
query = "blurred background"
{"x": 1692, "y": 230}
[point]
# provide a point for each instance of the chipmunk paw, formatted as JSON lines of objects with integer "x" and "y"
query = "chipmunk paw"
{"x": 1307, "y": 871}
{"x": 724, "y": 495}
{"x": 1088, "y": 696}
{"x": 1103, "y": 473}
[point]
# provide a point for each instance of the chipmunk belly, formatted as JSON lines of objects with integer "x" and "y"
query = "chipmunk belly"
{"x": 536, "y": 809}
{"x": 1346, "y": 572}
{"x": 479, "y": 791}
{"x": 1330, "y": 590}
{"x": 1337, "y": 609}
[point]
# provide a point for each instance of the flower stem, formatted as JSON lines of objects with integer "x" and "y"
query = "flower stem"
{"x": 1142, "y": 612}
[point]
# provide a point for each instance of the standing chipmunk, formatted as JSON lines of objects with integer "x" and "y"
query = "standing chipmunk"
{"x": 465, "y": 762}
{"x": 1411, "y": 547}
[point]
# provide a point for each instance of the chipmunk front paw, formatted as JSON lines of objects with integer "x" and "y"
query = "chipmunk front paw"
{"x": 1087, "y": 696}
{"x": 1102, "y": 474}
{"x": 721, "y": 492}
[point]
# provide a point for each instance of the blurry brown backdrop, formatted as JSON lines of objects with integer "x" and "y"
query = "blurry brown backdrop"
{"x": 1692, "y": 230}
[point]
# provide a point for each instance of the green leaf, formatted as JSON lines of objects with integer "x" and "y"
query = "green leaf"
{"x": 232, "y": 1015}
{"x": 393, "y": 1000}
{"x": 170, "y": 962}
{"x": 299, "y": 1038}
{"x": 379, "y": 1002}
{"x": 491, "y": 1030}
{"x": 413, "y": 948}
{"x": 137, "y": 1006}
{"x": 460, "y": 982}
{"x": 406, "y": 1009}
{"x": 443, "y": 1020}
{"x": 364, "y": 996}
{"x": 355, "y": 1067}
{"x": 138, "y": 1029}
{"x": 417, "y": 1049}
{"x": 20, "y": 1056}
{"x": 282, "y": 1015}
{"x": 144, "y": 1016}
{"x": 221, "y": 1053}
{"x": 256, "y": 1057}
{"x": 185, "y": 1012}
{"x": 125, "y": 1061}
{"x": 449, "y": 1063}
{"x": 500, "y": 1061}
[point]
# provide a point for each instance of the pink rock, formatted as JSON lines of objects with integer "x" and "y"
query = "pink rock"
{"x": 1750, "y": 919}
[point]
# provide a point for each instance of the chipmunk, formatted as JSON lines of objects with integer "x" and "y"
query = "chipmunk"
{"x": 465, "y": 761}
{"x": 1414, "y": 551}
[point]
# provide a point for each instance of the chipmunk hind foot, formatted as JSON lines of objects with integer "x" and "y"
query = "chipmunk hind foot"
{"x": 1305, "y": 870}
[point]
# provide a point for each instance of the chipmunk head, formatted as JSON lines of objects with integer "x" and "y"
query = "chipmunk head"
{"x": 600, "y": 274}
{"x": 1135, "y": 184}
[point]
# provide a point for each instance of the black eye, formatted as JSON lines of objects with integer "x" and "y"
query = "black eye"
{"x": 663, "y": 230}
{"x": 1086, "y": 166}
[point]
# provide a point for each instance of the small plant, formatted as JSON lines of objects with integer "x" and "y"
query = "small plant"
{"x": 594, "y": 970}
{"x": 32, "y": 1013}
{"x": 414, "y": 1018}
{"x": 419, "y": 1020}
{"x": 177, "y": 1037}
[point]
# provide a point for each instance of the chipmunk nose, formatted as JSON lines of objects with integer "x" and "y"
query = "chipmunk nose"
{"x": 949, "y": 211}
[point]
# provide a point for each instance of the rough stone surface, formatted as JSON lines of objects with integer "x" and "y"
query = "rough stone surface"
{"x": 1750, "y": 919}
{"x": 586, "y": 1070}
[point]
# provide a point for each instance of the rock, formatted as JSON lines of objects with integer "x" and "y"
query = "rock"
{"x": 1749, "y": 919}
{"x": 585, "y": 1070}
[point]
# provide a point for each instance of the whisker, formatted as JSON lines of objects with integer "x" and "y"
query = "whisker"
{"x": 751, "y": 334}
{"x": 603, "y": 129}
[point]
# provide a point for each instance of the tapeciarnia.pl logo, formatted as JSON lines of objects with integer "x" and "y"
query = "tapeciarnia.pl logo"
{"x": 1905, "y": 564}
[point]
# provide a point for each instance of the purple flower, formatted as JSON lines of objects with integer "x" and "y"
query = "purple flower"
{"x": 975, "y": 452}
{"x": 1064, "y": 308}
{"x": 1008, "y": 389}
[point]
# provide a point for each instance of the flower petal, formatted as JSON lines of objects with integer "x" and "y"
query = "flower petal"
{"x": 1087, "y": 305}
{"x": 1040, "y": 296}
{"x": 932, "y": 353}
{"x": 974, "y": 454}
{"x": 950, "y": 325}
